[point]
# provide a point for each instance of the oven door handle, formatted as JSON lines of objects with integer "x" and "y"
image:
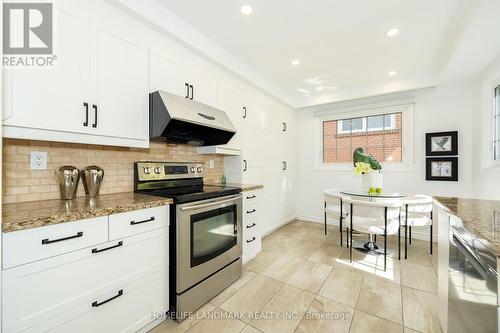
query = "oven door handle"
{"x": 213, "y": 203}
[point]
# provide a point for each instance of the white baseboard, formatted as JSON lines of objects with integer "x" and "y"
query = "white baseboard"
{"x": 416, "y": 233}
{"x": 276, "y": 227}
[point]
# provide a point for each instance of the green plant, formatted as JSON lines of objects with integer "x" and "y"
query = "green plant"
{"x": 359, "y": 156}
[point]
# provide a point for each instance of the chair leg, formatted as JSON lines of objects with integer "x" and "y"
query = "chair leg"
{"x": 410, "y": 235}
{"x": 340, "y": 223}
{"x": 385, "y": 240}
{"x": 430, "y": 239}
{"x": 399, "y": 236}
{"x": 347, "y": 236}
{"x": 406, "y": 232}
{"x": 375, "y": 238}
{"x": 350, "y": 238}
{"x": 325, "y": 217}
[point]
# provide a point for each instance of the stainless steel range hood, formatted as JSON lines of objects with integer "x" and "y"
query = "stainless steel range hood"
{"x": 176, "y": 119}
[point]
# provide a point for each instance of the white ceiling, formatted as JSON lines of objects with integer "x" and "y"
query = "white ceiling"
{"x": 340, "y": 43}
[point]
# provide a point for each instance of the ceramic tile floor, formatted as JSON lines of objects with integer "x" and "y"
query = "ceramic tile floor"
{"x": 302, "y": 281}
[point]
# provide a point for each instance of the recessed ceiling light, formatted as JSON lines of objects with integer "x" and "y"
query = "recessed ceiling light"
{"x": 392, "y": 73}
{"x": 392, "y": 32}
{"x": 246, "y": 10}
{"x": 295, "y": 62}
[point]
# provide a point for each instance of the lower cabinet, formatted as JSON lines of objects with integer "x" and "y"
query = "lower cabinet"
{"x": 252, "y": 225}
{"x": 116, "y": 286}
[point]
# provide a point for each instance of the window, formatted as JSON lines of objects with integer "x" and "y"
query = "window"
{"x": 380, "y": 135}
{"x": 496, "y": 121}
{"x": 367, "y": 124}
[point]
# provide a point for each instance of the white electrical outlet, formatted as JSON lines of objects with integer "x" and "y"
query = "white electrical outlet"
{"x": 38, "y": 160}
{"x": 211, "y": 164}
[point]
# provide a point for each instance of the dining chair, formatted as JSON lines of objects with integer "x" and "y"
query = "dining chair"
{"x": 377, "y": 218}
{"x": 417, "y": 213}
{"x": 334, "y": 208}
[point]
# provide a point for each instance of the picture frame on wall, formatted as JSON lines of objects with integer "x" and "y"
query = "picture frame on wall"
{"x": 442, "y": 168}
{"x": 441, "y": 143}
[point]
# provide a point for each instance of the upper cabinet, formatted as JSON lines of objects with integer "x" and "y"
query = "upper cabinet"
{"x": 120, "y": 99}
{"x": 95, "y": 93}
{"x": 53, "y": 98}
{"x": 177, "y": 73}
{"x": 229, "y": 101}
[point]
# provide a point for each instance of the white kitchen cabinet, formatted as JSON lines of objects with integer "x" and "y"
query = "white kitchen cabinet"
{"x": 69, "y": 290}
{"x": 120, "y": 98}
{"x": 252, "y": 224}
{"x": 130, "y": 312}
{"x": 182, "y": 76}
{"x": 167, "y": 74}
{"x": 97, "y": 91}
{"x": 203, "y": 88}
{"x": 230, "y": 102}
{"x": 25, "y": 246}
{"x": 53, "y": 98}
{"x": 262, "y": 148}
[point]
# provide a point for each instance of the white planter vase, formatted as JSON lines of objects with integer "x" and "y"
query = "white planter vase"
{"x": 373, "y": 179}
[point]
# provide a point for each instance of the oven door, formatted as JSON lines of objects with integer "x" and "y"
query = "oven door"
{"x": 208, "y": 238}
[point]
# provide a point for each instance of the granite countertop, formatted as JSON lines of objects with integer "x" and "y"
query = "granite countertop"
{"x": 479, "y": 217}
{"x": 27, "y": 215}
{"x": 244, "y": 187}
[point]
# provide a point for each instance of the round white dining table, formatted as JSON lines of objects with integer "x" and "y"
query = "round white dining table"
{"x": 371, "y": 246}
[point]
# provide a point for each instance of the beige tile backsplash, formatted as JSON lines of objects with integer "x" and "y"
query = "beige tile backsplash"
{"x": 21, "y": 184}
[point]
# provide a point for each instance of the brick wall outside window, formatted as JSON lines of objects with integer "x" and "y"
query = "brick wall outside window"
{"x": 384, "y": 145}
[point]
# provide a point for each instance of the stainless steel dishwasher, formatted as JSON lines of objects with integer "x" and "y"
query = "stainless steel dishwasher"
{"x": 472, "y": 288}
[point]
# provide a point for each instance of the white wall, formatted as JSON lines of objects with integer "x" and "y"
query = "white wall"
{"x": 448, "y": 107}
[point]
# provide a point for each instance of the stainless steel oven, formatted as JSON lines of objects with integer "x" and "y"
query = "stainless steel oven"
{"x": 209, "y": 249}
{"x": 205, "y": 231}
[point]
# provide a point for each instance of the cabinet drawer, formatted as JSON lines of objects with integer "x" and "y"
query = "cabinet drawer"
{"x": 249, "y": 197}
{"x": 130, "y": 308}
{"x": 36, "y": 292}
{"x": 132, "y": 223}
{"x": 251, "y": 247}
{"x": 21, "y": 247}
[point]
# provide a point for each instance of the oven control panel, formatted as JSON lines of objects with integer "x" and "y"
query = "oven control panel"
{"x": 168, "y": 170}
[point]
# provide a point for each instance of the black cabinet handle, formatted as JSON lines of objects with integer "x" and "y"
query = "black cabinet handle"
{"x": 143, "y": 221}
{"x": 95, "y": 115}
{"x": 251, "y": 240}
{"x": 120, "y": 243}
{"x": 251, "y": 226}
{"x": 284, "y": 127}
{"x": 192, "y": 91}
{"x": 86, "y": 122}
{"x": 285, "y": 166}
{"x": 252, "y": 197}
{"x": 47, "y": 241}
{"x": 244, "y": 112}
{"x": 187, "y": 90}
{"x": 95, "y": 304}
{"x": 251, "y": 211}
{"x": 245, "y": 165}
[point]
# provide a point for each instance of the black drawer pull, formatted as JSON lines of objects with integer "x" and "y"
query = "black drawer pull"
{"x": 120, "y": 243}
{"x": 251, "y": 226}
{"x": 95, "y": 304}
{"x": 94, "y": 125}
{"x": 144, "y": 221}
{"x": 251, "y": 211}
{"x": 252, "y": 197}
{"x": 251, "y": 240}
{"x": 47, "y": 241}
{"x": 86, "y": 122}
